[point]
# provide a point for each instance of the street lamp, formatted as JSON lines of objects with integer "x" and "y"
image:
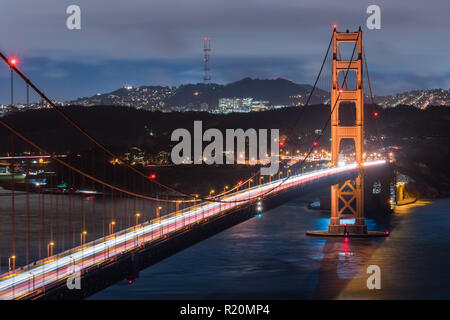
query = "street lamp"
{"x": 225, "y": 188}
{"x": 261, "y": 178}
{"x": 157, "y": 211}
{"x": 12, "y": 261}
{"x": 50, "y": 249}
{"x": 111, "y": 227}
{"x": 137, "y": 218}
{"x": 83, "y": 237}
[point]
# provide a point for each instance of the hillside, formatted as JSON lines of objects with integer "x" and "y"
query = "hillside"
{"x": 277, "y": 92}
{"x": 191, "y": 96}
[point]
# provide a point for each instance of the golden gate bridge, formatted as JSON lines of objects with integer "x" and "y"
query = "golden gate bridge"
{"x": 151, "y": 225}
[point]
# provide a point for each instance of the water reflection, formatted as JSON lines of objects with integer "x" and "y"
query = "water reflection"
{"x": 271, "y": 258}
{"x": 344, "y": 258}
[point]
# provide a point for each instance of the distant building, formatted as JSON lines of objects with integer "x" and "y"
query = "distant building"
{"x": 204, "y": 107}
{"x": 260, "y": 106}
{"x": 247, "y": 103}
{"x": 228, "y": 105}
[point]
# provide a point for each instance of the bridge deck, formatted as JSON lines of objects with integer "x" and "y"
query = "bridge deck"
{"x": 36, "y": 276}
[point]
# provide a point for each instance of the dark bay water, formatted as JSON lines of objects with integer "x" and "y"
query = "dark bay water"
{"x": 271, "y": 257}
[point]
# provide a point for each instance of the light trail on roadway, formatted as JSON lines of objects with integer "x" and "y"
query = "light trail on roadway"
{"x": 43, "y": 273}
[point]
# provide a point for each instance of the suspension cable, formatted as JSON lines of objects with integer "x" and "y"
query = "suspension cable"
{"x": 380, "y": 141}
{"x": 84, "y": 132}
{"x": 195, "y": 198}
{"x": 53, "y": 157}
{"x": 326, "y": 123}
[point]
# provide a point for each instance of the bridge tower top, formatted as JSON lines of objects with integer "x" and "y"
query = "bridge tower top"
{"x": 341, "y": 94}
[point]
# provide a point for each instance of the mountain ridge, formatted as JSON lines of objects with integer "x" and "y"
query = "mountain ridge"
{"x": 277, "y": 91}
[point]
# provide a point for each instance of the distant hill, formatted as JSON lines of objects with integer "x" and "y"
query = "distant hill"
{"x": 421, "y": 99}
{"x": 276, "y": 92}
{"x": 140, "y": 97}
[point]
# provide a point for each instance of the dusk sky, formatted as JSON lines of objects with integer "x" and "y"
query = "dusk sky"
{"x": 159, "y": 42}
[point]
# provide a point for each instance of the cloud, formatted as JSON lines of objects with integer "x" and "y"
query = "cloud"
{"x": 160, "y": 40}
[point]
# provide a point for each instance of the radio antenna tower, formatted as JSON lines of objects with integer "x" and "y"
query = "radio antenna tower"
{"x": 206, "y": 52}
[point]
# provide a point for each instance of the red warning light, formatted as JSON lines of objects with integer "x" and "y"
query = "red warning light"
{"x": 281, "y": 143}
{"x": 153, "y": 176}
{"x": 375, "y": 114}
{"x": 13, "y": 61}
{"x": 341, "y": 90}
{"x": 334, "y": 26}
{"x": 315, "y": 144}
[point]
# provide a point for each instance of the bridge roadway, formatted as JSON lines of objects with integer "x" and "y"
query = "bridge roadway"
{"x": 35, "y": 277}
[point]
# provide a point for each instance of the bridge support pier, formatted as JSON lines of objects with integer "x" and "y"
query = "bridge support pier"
{"x": 347, "y": 194}
{"x": 347, "y": 212}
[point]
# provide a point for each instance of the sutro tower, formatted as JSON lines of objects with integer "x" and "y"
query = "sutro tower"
{"x": 206, "y": 52}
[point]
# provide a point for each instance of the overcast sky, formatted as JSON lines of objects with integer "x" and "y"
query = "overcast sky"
{"x": 159, "y": 42}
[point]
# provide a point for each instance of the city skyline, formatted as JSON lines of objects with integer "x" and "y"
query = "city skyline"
{"x": 217, "y": 98}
